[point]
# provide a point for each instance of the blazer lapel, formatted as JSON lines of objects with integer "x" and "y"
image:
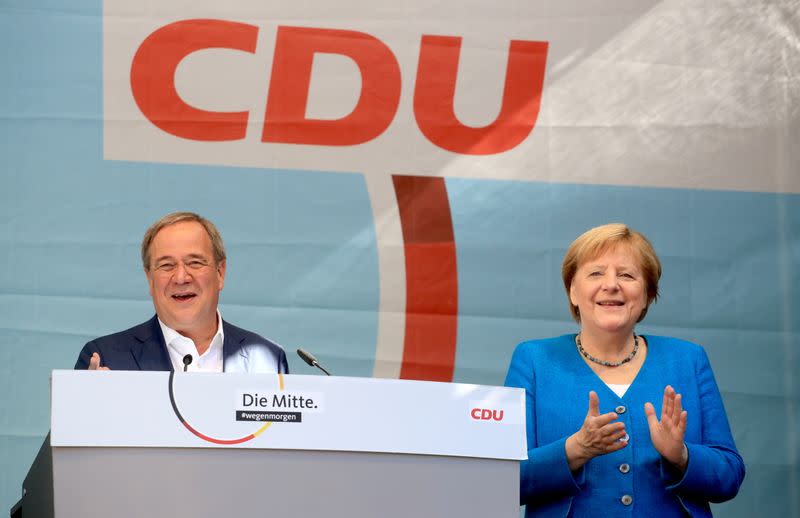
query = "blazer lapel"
{"x": 149, "y": 349}
{"x": 234, "y": 356}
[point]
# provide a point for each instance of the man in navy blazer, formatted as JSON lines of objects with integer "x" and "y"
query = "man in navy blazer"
{"x": 184, "y": 261}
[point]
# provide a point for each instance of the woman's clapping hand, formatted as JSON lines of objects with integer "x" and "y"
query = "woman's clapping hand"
{"x": 600, "y": 434}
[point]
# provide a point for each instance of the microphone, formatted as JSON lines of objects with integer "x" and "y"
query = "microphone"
{"x": 187, "y": 360}
{"x": 309, "y": 359}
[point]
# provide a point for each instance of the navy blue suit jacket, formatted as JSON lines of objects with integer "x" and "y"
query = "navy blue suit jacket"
{"x": 142, "y": 348}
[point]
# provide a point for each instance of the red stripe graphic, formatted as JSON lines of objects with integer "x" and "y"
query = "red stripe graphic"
{"x": 429, "y": 349}
{"x": 171, "y": 390}
{"x": 218, "y": 441}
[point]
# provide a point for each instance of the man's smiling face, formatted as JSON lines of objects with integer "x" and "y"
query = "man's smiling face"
{"x": 184, "y": 278}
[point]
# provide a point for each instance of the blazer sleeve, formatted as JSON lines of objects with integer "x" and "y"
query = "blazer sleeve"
{"x": 545, "y": 475}
{"x": 715, "y": 470}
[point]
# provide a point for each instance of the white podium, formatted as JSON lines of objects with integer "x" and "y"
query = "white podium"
{"x": 133, "y": 444}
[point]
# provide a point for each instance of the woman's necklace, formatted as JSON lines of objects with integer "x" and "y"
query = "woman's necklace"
{"x": 603, "y": 362}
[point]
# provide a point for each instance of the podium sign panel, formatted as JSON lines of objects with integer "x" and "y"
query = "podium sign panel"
{"x": 200, "y": 410}
{"x": 163, "y": 444}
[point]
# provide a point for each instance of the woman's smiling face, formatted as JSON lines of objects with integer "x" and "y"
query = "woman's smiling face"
{"x": 609, "y": 291}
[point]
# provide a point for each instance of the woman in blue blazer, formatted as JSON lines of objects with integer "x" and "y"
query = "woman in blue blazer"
{"x": 597, "y": 445}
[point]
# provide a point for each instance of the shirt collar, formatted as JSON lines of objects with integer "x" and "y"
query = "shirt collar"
{"x": 177, "y": 341}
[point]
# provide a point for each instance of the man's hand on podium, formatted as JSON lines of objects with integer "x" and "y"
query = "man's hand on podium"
{"x": 94, "y": 363}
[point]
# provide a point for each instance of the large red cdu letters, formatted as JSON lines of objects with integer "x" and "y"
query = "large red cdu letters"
{"x": 153, "y": 78}
{"x": 285, "y": 118}
{"x": 435, "y": 90}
